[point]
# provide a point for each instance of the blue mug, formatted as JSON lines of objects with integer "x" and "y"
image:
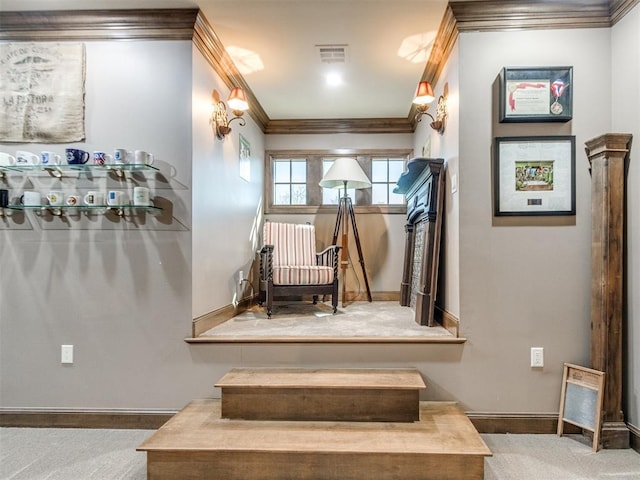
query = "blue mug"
{"x": 76, "y": 156}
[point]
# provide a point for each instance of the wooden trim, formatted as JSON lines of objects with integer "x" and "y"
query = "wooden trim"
{"x": 325, "y": 340}
{"x": 500, "y": 15}
{"x": 339, "y": 125}
{"x": 209, "y": 44}
{"x": 442, "y": 47}
{"x": 153, "y": 24}
{"x": 619, "y": 8}
{"x": 212, "y": 319}
{"x": 490, "y": 422}
{"x": 119, "y": 419}
{"x": 634, "y": 437}
{"x": 448, "y": 320}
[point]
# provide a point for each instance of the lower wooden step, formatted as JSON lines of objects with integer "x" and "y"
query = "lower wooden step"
{"x": 354, "y": 395}
{"x": 198, "y": 444}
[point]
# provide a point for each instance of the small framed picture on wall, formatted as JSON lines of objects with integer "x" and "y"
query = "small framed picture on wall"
{"x": 536, "y": 94}
{"x": 534, "y": 175}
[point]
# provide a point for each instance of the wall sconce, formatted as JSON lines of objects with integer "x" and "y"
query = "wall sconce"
{"x": 424, "y": 96}
{"x": 219, "y": 119}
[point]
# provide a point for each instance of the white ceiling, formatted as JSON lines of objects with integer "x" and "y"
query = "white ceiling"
{"x": 278, "y": 38}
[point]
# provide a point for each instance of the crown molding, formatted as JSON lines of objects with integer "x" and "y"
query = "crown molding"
{"x": 157, "y": 24}
{"x": 501, "y": 15}
{"x": 619, "y": 8}
{"x": 209, "y": 44}
{"x": 339, "y": 125}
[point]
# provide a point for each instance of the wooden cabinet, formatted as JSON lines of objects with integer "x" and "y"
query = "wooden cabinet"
{"x": 423, "y": 186}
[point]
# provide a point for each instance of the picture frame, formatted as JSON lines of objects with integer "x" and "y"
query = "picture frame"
{"x": 536, "y": 94}
{"x": 534, "y": 175}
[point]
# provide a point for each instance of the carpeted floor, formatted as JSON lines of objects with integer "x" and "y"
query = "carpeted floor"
{"x": 81, "y": 454}
{"x": 303, "y": 319}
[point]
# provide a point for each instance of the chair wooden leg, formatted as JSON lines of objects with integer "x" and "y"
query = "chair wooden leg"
{"x": 269, "y": 295}
{"x": 315, "y": 299}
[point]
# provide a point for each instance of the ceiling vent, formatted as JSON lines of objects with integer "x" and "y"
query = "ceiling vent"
{"x": 332, "y": 53}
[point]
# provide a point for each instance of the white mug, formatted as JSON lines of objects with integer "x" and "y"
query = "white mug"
{"x": 56, "y": 198}
{"x": 142, "y": 158}
{"x": 6, "y": 159}
{"x": 115, "y": 198}
{"x": 121, "y": 156}
{"x": 73, "y": 200}
{"x": 93, "y": 198}
{"x": 31, "y": 199}
{"x": 26, "y": 158}
{"x": 141, "y": 196}
{"x": 50, "y": 158}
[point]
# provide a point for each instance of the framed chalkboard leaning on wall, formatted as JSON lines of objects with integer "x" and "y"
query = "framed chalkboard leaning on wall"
{"x": 581, "y": 400}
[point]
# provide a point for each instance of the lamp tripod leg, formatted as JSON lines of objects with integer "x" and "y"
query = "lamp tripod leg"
{"x": 359, "y": 247}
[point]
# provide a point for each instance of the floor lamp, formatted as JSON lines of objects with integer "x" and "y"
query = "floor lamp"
{"x": 346, "y": 173}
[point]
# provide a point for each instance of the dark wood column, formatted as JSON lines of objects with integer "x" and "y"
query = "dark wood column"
{"x": 609, "y": 161}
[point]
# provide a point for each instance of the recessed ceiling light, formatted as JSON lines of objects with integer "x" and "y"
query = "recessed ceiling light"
{"x": 333, "y": 79}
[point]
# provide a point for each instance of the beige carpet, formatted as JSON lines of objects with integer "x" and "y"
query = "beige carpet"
{"x": 303, "y": 320}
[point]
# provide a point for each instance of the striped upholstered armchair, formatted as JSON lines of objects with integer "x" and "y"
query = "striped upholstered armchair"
{"x": 290, "y": 265}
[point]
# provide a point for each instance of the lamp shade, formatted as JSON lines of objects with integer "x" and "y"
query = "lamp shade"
{"x": 424, "y": 94}
{"x": 345, "y": 169}
{"x": 238, "y": 100}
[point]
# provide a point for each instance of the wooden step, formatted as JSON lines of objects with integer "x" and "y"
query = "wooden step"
{"x": 355, "y": 395}
{"x": 198, "y": 444}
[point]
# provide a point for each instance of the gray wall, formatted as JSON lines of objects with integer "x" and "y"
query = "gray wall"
{"x": 625, "y": 93}
{"x": 126, "y": 298}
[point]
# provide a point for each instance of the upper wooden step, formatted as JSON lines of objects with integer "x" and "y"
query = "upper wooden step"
{"x": 384, "y": 395}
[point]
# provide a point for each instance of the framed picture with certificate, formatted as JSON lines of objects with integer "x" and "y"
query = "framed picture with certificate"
{"x": 534, "y": 175}
{"x": 536, "y": 94}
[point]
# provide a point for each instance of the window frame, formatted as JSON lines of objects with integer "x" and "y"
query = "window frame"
{"x": 362, "y": 204}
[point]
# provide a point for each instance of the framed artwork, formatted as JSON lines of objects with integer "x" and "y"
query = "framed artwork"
{"x": 245, "y": 159}
{"x": 534, "y": 175}
{"x": 536, "y": 94}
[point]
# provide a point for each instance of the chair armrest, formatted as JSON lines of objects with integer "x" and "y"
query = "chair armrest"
{"x": 329, "y": 257}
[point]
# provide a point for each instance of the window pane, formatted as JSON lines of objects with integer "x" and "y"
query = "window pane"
{"x": 379, "y": 193}
{"x": 298, "y": 194}
{"x": 396, "y": 167}
{"x": 379, "y": 171}
{"x": 298, "y": 171}
{"x": 395, "y": 198}
{"x": 281, "y": 194}
{"x": 330, "y": 196}
{"x": 282, "y": 171}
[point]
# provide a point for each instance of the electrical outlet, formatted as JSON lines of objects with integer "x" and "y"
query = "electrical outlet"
{"x": 66, "y": 354}
{"x": 240, "y": 277}
{"x": 537, "y": 357}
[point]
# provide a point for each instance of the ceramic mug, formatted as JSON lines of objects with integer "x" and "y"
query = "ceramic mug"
{"x": 93, "y": 198}
{"x": 75, "y": 156}
{"x": 141, "y": 157}
{"x": 121, "y": 156}
{"x": 4, "y": 197}
{"x": 73, "y": 200}
{"x": 141, "y": 196}
{"x": 102, "y": 158}
{"x": 50, "y": 158}
{"x": 31, "y": 199}
{"x": 26, "y": 158}
{"x": 6, "y": 159}
{"x": 56, "y": 198}
{"x": 115, "y": 198}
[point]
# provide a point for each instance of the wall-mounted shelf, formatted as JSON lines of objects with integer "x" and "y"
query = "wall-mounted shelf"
{"x": 100, "y": 209}
{"x": 58, "y": 171}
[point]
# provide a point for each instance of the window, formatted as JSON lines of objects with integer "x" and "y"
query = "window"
{"x": 384, "y": 175}
{"x": 292, "y": 177}
{"x": 290, "y": 182}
